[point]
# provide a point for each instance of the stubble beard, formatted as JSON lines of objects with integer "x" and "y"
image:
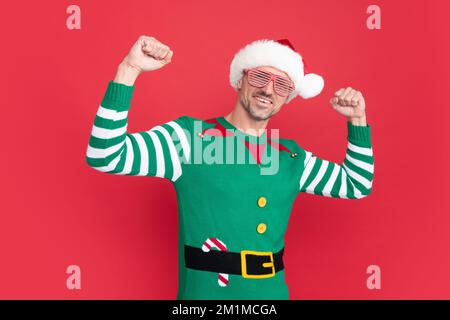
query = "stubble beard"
{"x": 251, "y": 111}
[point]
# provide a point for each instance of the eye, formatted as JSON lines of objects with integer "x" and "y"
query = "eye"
{"x": 258, "y": 78}
{"x": 262, "y": 74}
{"x": 283, "y": 83}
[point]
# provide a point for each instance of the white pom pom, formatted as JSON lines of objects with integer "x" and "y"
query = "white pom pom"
{"x": 310, "y": 85}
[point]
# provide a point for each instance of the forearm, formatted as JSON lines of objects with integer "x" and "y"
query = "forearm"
{"x": 126, "y": 74}
{"x": 361, "y": 121}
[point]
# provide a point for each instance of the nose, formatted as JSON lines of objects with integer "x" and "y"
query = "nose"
{"x": 268, "y": 88}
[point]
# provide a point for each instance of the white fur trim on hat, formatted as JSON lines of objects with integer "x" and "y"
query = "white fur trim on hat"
{"x": 271, "y": 53}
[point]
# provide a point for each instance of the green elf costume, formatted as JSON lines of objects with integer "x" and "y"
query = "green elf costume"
{"x": 235, "y": 191}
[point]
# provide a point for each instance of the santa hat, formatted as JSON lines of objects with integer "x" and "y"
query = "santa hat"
{"x": 279, "y": 54}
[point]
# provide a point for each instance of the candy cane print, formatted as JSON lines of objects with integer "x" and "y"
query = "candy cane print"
{"x": 216, "y": 243}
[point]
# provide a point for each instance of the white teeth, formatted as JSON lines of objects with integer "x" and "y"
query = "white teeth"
{"x": 263, "y": 100}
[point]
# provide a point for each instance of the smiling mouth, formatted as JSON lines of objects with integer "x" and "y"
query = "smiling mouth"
{"x": 262, "y": 100}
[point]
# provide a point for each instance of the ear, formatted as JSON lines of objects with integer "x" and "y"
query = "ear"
{"x": 239, "y": 84}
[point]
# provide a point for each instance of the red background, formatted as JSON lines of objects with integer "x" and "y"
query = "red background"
{"x": 122, "y": 230}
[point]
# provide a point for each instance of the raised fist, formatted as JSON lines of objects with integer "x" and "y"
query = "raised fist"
{"x": 148, "y": 54}
{"x": 349, "y": 102}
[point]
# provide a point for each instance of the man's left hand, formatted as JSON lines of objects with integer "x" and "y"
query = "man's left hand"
{"x": 350, "y": 103}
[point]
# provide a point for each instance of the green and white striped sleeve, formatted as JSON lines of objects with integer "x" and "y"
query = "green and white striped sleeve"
{"x": 350, "y": 180}
{"x": 158, "y": 152}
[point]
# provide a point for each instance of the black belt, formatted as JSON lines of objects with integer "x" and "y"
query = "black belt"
{"x": 249, "y": 264}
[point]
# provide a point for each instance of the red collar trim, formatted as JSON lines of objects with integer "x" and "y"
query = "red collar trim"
{"x": 217, "y": 126}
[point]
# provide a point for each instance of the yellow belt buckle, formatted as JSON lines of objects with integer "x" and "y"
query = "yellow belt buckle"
{"x": 270, "y": 264}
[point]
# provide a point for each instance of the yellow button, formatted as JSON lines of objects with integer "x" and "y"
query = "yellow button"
{"x": 262, "y": 202}
{"x": 261, "y": 228}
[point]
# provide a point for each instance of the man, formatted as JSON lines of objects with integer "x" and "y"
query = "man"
{"x": 235, "y": 183}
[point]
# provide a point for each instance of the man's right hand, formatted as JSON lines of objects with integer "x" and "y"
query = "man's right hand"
{"x": 147, "y": 54}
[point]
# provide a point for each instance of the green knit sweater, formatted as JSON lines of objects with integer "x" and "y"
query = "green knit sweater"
{"x": 231, "y": 186}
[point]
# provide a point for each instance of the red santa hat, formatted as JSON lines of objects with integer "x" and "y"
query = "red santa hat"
{"x": 279, "y": 54}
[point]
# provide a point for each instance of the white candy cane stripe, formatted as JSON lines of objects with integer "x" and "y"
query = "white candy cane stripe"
{"x": 111, "y": 114}
{"x": 216, "y": 243}
{"x": 223, "y": 279}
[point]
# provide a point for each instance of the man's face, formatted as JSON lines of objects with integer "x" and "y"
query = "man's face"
{"x": 248, "y": 97}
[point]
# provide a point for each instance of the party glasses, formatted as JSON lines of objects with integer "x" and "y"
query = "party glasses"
{"x": 259, "y": 78}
